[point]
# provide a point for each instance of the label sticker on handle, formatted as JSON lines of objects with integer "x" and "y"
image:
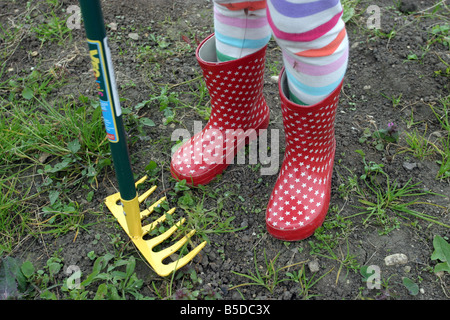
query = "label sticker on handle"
{"x": 106, "y": 90}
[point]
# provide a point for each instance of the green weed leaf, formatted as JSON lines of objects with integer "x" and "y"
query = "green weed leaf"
{"x": 101, "y": 292}
{"x": 365, "y": 273}
{"x": 181, "y": 186}
{"x": 442, "y": 253}
{"x": 141, "y": 104}
{"x": 8, "y": 284}
{"x": 147, "y": 122}
{"x": 27, "y": 93}
{"x": 360, "y": 152}
{"x": 412, "y": 287}
{"x": 186, "y": 201}
{"x": 54, "y": 266}
{"x": 74, "y": 146}
{"x": 27, "y": 269}
{"x": 151, "y": 166}
{"x": 130, "y": 267}
{"x": 58, "y": 167}
{"x": 53, "y": 195}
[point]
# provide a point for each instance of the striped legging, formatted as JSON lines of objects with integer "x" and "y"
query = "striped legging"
{"x": 310, "y": 33}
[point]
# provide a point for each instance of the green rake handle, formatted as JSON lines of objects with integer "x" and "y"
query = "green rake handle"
{"x": 109, "y": 99}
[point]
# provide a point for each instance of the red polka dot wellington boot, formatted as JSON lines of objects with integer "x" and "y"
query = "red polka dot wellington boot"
{"x": 301, "y": 195}
{"x": 238, "y": 112}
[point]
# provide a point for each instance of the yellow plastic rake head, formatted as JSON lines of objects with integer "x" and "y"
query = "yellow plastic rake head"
{"x": 131, "y": 222}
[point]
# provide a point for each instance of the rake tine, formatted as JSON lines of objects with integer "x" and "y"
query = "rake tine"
{"x": 146, "y": 194}
{"x": 186, "y": 259}
{"x": 141, "y": 180}
{"x": 149, "y": 210}
{"x": 149, "y": 227}
{"x": 159, "y": 257}
{"x": 175, "y": 247}
{"x": 158, "y": 239}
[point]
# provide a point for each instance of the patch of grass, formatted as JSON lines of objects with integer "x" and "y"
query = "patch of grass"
{"x": 37, "y": 84}
{"x": 206, "y": 218}
{"x": 350, "y": 12}
{"x": 16, "y": 218}
{"x": 383, "y": 201}
{"x": 48, "y": 153}
{"x": 334, "y": 230}
{"x": 59, "y": 136}
{"x": 442, "y": 114}
{"x": 419, "y": 145}
{"x": 54, "y": 29}
{"x": 306, "y": 283}
{"x": 268, "y": 279}
{"x": 440, "y": 34}
{"x": 200, "y": 97}
{"x": 436, "y": 144}
{"x": 444, "y": 169}
{"x": 385, "y": 35}
{"x": 346, "y": 259}
{"x": 328, "y": 239}
{"x": 394, "y": 99}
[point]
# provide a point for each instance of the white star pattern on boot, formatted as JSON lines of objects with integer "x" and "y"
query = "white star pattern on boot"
{"x": 239, "y": 110}
{"x": 301, "y": 194}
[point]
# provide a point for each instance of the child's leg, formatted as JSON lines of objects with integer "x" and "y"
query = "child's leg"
{"x": 314, "y": 44}
{"x": 241, "y": 28}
